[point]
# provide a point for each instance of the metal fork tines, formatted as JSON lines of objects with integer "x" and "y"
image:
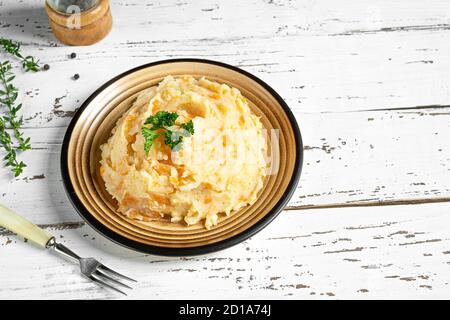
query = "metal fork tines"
{"x": 93, "y": 269}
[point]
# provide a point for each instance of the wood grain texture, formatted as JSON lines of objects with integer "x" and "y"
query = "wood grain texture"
{"x": 379, "y": 252}
{"x": 369, "y": 86}
{"x": 351, "y": 158}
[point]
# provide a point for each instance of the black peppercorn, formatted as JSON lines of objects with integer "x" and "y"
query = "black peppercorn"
{"x": 73, "y": 55}
{"x": 46, "y": 67}
{"x": 76, "y": 76}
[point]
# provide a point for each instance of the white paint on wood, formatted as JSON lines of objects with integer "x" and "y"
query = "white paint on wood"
{"x": 350, "y": 158}
{"x": 379, "y": 252}
{"x": 369, "y": 85}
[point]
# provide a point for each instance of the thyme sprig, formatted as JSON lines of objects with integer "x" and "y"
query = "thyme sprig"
{"x": 29, "y": 63}
{"x": 8, "y": 97}
{"x": 10, "y": 158}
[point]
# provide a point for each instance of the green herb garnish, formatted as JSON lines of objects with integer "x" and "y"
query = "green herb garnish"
{"x": 29, "y": 63}
{"x": 173, "y": 139}
{"x": 162, "y": 119}
{"x": 189, "y": 127}
{"x": 10, "y": 158}
{"x": 8, "y": 96}
{"x": 149, "y": 137}
{"x": 160, "y": 123}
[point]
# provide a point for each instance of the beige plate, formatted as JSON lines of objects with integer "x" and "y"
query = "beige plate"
{"x": 92, "y": 125}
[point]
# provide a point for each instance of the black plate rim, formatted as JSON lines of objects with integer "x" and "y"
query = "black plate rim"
{"x": 192, "y": 251}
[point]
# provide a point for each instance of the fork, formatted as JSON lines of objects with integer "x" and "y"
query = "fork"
{"x": 90, "y": 267}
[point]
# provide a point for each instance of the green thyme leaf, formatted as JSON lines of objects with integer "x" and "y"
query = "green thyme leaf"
{"x": 29, "y": 63}
{"x": 8, "y": 97}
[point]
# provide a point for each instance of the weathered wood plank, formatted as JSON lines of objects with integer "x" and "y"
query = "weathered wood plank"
{"x": 358, "y": 77}
{"x": 351, "y": 158}
{"x": 380, "y": 59}
{"x": 394, "y": 252}
{"x": 369, "y": 85}
{"x": 249, "y": 18}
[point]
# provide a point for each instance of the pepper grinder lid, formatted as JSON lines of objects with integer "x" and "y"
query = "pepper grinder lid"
{"x": 67, "y": 6}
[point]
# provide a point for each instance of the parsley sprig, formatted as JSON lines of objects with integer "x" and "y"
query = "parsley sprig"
{"x": 29, "y": 63}
{"x": 160, "y": 123}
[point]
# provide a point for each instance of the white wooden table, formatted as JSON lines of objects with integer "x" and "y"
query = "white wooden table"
{"x": 368, "y": 82}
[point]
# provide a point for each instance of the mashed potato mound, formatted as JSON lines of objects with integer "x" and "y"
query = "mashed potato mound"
{"x": 219, "y": 169}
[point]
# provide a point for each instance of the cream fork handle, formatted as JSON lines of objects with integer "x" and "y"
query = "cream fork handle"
{"x": 15, "y": 223}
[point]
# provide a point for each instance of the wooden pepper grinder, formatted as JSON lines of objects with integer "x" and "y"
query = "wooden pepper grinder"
{"x": 79, "y": 22}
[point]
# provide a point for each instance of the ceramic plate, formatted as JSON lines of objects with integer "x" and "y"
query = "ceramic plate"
{"x": 92, "y": 125}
